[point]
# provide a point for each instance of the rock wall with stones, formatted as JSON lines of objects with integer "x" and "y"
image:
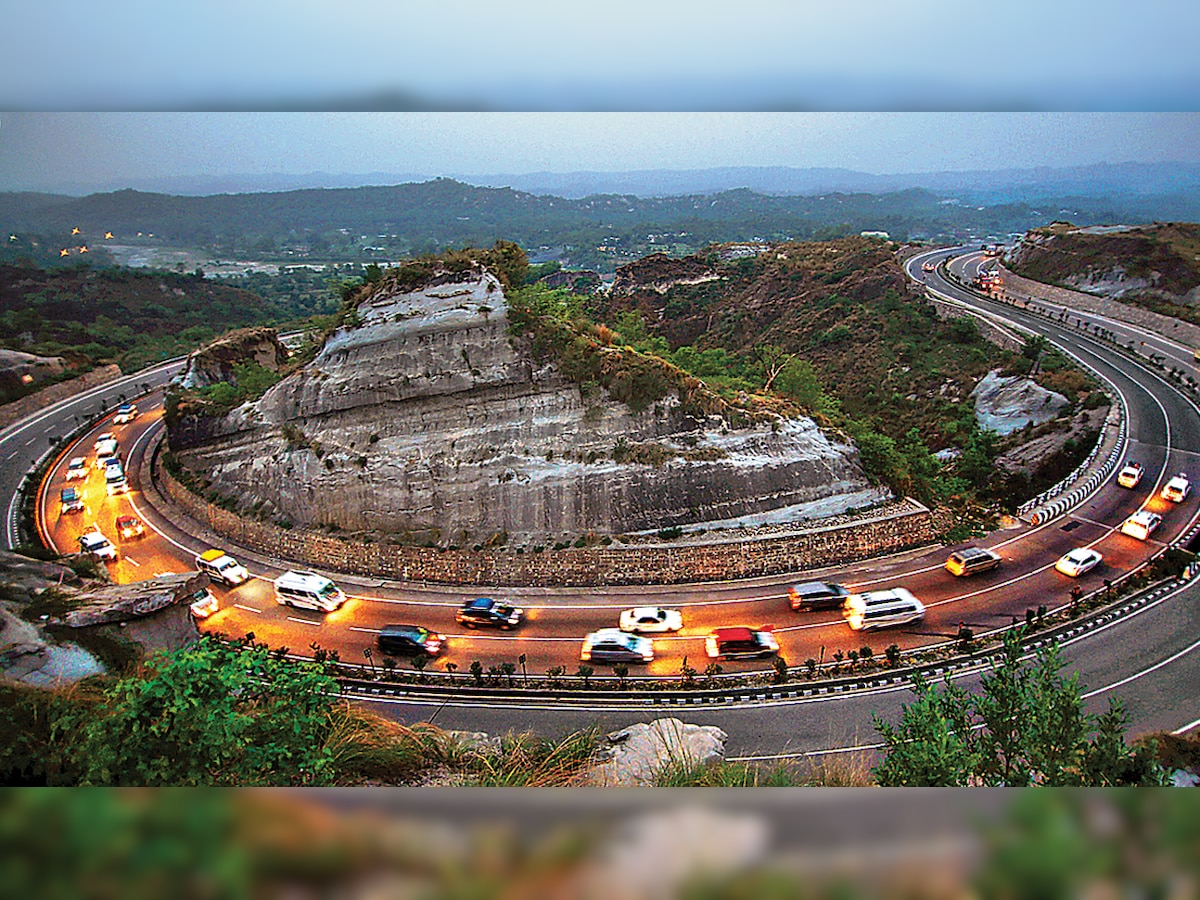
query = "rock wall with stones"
{"x": 425, "y": 417}
{"x": 909, "y": 525}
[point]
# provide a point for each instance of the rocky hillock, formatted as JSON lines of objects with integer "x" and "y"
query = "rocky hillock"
{"x": 1005, "y": 404}
{"x": 217, "y": 361}
{"x": 1156, "y": 263}
{"x": 425, "y": 415}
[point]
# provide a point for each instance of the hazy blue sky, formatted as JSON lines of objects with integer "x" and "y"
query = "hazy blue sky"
{"x": 615, "y": 54}
{"x": 49, "y": 151}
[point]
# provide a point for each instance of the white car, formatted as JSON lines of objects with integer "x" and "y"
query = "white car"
{"x": 100, "y": 439}
{"x": 126, "y": 412}
{"x": 1078, "y": 562}
{"x": 95, "y": 543}
{"x": 651, "y": 620}
{"x": 1141, "y": 524}
{"x": 1177, "y": 489}
{"x": 610, "y": 645}
{"x": 221, "y": 566}
{"x": 106, "y": 450}
{"x": 77, "y": 468}
{"x": 1130, "y": 475}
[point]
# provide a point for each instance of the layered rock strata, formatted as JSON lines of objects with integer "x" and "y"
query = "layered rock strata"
{"x": 424, "y": 416}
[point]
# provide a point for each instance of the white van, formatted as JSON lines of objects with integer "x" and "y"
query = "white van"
{"x": 308, "y": 590}
{"x": 882, "y": 609}
{"x": 114, "y": 478}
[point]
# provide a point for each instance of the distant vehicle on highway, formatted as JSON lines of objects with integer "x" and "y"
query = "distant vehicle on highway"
{"x": 489, "y": 612}
{"x": 102, "y": 439}
{"x": 97, "y": 544}
{"x": 929, "y": 267}
{"x": 882, "y": 609}
{"x": 1078, "y": 562}
{"x": 129, "y": 527}
{"x": 1141, "y": 524}
{"x": 70, "y": 500}
{"x": 203, "y": 604}
{"x": 972, "y": 560}
{"x": 126, "y": 412}
{"x": 741, "y": 643}
{"x": 308, "y": 590}
{"x": 77, "y": 468}
{"x": 1131, "y": 475}
{"x": 106, "y": 450}
{"x": 611, "y": 645}
{"x": 408, "y": 640}
{"x": 114, "y": 477}
{"x": 816, "y": 595}
{"x": 219, "y": 565}
{"x": 650, "y": 620}
{"x": 1177, "y": 489}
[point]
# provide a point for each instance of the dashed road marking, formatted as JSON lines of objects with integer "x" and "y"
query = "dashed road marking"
{"x": 132, "y": 561}
{"x": 253, "y": 610}
{"x": 304, "y": 621}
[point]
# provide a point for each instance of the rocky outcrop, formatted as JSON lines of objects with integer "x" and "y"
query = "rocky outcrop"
{"x": 217, "y": 361}
{"x": 424, "y": 416}
{"x": 1007, "y": 404}
{"x": 1151, "y": 262}
{"x": 660, "y": 272}
{"x": 636, "y": 755}
{"x": 119, "y": 602}
{"x": 19, "y": 371}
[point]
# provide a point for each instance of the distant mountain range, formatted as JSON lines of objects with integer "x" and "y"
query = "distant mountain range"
{"x": 681, "y": 212}
{"x": 1113, "y": 180}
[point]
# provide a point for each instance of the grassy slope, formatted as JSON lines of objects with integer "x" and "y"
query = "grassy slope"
{"x": 1172, "y": 250}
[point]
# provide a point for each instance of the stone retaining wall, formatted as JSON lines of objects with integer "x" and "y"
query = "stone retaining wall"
{"x": 582, "y": 567}
{"x": 47, "y": 396}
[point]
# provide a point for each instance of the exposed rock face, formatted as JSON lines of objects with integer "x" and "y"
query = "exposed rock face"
{"x": 215, "y": 362}
{"x": 660, "y": 272}
{"x": 427, "y": 418}
{"x": 19, "y": 369}
{"x": 1007, "y": 404}
{"x": 118, "y": 602}
{"x": 640, "y": 752}
{"x": 1157, "y": 261}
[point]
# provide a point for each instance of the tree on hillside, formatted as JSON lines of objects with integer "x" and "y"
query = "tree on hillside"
{"x": 210, "y": 714}
{"x": 1026, "y": 726}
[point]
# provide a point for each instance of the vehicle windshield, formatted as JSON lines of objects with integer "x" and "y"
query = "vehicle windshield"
{"x": 329, "y": 589}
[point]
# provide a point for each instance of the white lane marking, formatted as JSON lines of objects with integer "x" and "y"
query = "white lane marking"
{"x": 1136, "y": 675}
{"x": 78, "y": 399}
{"x": 11, "y": 455}
{"x": 304, "y": 621}
{"x": 1186, "y": 728}
{"x": 132, "y": 561}
{"x": 251, "y": 609}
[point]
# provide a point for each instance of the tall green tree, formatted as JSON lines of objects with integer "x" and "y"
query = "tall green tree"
{"x": 210, "y": 714}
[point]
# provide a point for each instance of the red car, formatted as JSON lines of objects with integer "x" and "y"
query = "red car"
{"x": 129, "y": 527}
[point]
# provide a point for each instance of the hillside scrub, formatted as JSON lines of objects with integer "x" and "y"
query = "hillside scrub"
{"x": 1154, "y": 266}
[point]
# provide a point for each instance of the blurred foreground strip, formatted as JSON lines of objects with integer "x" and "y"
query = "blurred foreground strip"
{"x": 588, "y": 843}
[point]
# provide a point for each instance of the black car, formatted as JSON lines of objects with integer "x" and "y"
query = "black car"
{"x": 488, "y": 612}
{"x": 408, "y": 640}
{"x": 817, "y": 595}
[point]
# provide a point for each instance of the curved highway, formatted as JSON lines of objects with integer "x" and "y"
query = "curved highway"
{"x": 1163, "y": 427}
